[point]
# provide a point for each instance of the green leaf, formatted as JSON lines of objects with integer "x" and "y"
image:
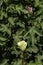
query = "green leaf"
{"x": 5, "y": 28}
{"x": 21, "y": 24}
{"x": 38, "y": 33}
{"x": 21, "y": 9}
{"x": 1, "y": 2}
{"x": 37, "y": 3}
{"x": 11, "y": 20}
{"x": 3, "y": 14}
{"x": 33, "y": 49}
{"x": 42, "y": 26}
{"x": 4, "y": 62}
{"x": 3, "y": 39}
{"x": 34, "y": 63}
{"x": 3, "y": 43}
{"x": 18, "y": 62}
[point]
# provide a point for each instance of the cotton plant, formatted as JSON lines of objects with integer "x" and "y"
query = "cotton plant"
{"x": 21, "y": 21}
{"x": 22, "y": 46}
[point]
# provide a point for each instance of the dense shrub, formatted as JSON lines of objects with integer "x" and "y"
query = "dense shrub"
{"x": 21, "y": 20}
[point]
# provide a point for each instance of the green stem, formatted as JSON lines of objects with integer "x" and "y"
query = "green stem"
{"x": 23, "y": 60}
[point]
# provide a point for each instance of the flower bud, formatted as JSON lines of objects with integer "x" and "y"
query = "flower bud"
{"x": 29, "y": 9}
{"x": 22, "y": 45}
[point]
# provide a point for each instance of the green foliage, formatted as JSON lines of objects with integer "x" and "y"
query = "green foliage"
{"x": 16, "y": 24}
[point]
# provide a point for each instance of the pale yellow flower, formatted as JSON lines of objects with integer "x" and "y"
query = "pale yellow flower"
{"x": 22, "y": 45}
